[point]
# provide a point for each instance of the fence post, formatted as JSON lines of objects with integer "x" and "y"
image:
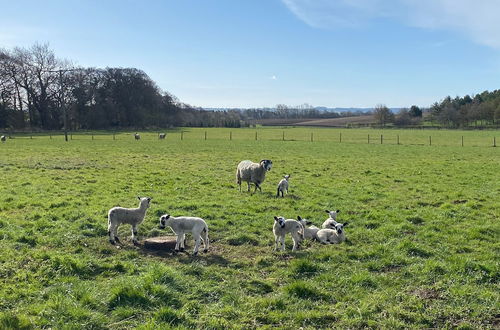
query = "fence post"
{"x": 255, "y": 135}
{"x": 494, "y": 141}
{"x": 182, "y": 135}
{"x": 283, "y": 136}
{"x": 462, "y": 140}
{"x": 205, "y": 135}
{"x": 71, "y": 136}
{"x": 50, "y": 136}
{"x": 381, "y": 139}
{"x": 312, "y": 140}
{"x": 340, "y": 137}
{"x": 230, "y": 135}
{"x": 368, "y": 138}
{"x": 92, "y": 136}
{"x": 31, "y": 137}
{"x": 430, "y": 140}
{"x": 113, "y": 135}
{"x": 398, "y": 138}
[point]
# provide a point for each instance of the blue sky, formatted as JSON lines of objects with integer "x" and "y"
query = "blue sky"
{"x": 258, "y": 53}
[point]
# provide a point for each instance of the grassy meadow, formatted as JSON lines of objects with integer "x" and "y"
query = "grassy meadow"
{"x": 422, "y": 248}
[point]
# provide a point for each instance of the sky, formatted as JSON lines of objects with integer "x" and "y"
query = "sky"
{"x": 260, "y": 53}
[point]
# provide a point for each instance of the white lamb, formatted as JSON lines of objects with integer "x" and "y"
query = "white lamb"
{"x": 253, "y": 172}
{"x": 133, "y": 216}
{"x": 137, "y": 136}
{"x": 283, "y": 186}
{"x": 180, "y": 225}
{"x": 332, "y": 236}
{"x": 309, "y": 232}
{"x": 3, "y": 138}
{"x": 331, "y": 221}
{"x": 282, "y": 227}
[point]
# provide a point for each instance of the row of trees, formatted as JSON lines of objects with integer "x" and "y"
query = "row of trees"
{"x": 40, "y": 91}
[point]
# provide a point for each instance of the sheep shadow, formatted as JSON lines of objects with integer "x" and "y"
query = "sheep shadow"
{"x": 186, "y": 256}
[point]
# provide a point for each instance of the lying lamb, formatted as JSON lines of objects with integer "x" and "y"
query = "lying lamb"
{"x": 282, "y": 227}
{"x": 283, "y": 186}
{"x": 332, "y": 236}
{"x": 162, "y": 136}
{"x": 253, "y": 172}
{"x": 309, "y": 232}
{"x": 133, "y": 216}
{"x": 197, "y": 226}
{"x": 332, "y": 220}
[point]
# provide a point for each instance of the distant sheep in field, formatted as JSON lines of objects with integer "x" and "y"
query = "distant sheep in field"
{"x": 332, "y": 220}
{"x": 162, "y": 136}
{"x": 137, "y": 136}
{"x": 332, "y": 236}
{"x": 309, "y": 232}
{"x": 253, "y": 172}
{"x": 132, "y": 216}
{"x": 3, "y": 138}
{"x": 283, "y": 186}
{"x": 180, "y": 225}
{"x": 282, "y": 227}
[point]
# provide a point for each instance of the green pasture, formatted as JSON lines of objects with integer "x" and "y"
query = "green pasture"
{"x": 422, "y": 250}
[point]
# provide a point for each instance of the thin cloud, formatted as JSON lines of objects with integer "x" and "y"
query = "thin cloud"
{"x": 273, "y": 77}
{"x": 478, "y": 20}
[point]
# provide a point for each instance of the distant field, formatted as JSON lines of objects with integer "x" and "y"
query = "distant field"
{"x": 422, "y": 249}
{"x": 325, "y": 122}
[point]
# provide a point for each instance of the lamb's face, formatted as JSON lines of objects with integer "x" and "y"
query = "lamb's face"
{"x": 163, "y": 220}
{"x": 333, "y": 214}
{"x": 287, "y": 177}
{"x": 145, "y": 201}
{"x": 339, "y": 227}
{"x": 280, "y": 221}
{"x": 267, "y": 164}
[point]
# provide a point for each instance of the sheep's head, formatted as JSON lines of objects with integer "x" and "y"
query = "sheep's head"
{"x": 163, "y": 220}
{"x": 303, "y": 221}
{"x": 287, "y": 177}
{"x": 144, "y": 201}
{"x": 280, "y": 221}
{"x": 339, "y": 227}
{"x": 333, "y": 214}
{"x": 267, "y": 164}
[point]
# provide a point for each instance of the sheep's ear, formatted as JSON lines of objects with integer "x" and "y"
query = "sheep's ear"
{"x": 327, "y": 211}
{"x": 346, "y": 224}
{"x": 299, "y": 218}
{"x": 338, "y": 211}
{"x": 276, "y": 218}
{"x": 139, "y": 197}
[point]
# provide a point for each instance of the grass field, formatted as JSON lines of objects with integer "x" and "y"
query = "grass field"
{"x": 422, "y": 251}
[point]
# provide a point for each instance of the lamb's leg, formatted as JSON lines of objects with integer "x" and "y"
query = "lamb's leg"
{"x": 111, "y": 233}
{"x": 178, "y": 242}
{"x": 196, "y": 243}
{"x": 134, "y": 235}
{"x": 278, "y": 193}
{"x": 296, "y": 240}
{"x": 206, "y": 242}
{"x": 248, "y": 183}
{"x": 276, "y": 240}
{"x": 183, "y": 241}
{"x": 282, "y": 243}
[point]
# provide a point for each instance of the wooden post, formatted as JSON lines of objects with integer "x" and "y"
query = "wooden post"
{"x": 494, "y": 141}
{"x": 92, "y": 136}
{"x": 368, "y": 138}
{"x": 71, "y": 136}
{"x": 462, "y": 140}
{"x": 230, "y": 135}
{"x": 312, "y": 140}
{"x": 31, "y": 137}
{"x": 182, "y": 135}
{"x": 430, "y": 140}
{"x": 340, "y": 137}
{"x": 398, "y": 138}
{"x": 50, "y": 136}
{"x": 205, "y": 135}
{"x": 381, "y": 139}
{"x": 255, "y": 135}
{"x": 283, "y": 136}
{"x": 113, "y": 136}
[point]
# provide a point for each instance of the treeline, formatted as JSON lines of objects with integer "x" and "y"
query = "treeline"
{"x": 40, "y": 91}
{"x": 480, "y": 110}
{"x": 283, "y": 111}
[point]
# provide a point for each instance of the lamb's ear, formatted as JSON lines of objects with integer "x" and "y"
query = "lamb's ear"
{"x": 338, "y": 211}
{"x": 139, "y": 197}
{"x": 299, "y": 218}
{"x": 276, "y": 218}
{"x": 327, "y": 211}
{"x": 346, "y": 224}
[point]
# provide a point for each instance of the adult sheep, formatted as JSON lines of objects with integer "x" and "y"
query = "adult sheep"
{"x": 253, "y": 172}
{"x": 3, "y": 138}
{"x": 137, "y": 136}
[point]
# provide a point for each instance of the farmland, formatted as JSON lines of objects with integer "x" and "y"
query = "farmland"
{"x": 422, "y": 247}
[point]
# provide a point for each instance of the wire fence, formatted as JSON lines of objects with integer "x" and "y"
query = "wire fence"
{"x": 359, "y": 136}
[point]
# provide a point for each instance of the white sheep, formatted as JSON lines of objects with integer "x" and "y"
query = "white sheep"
{"x": 137, "y": 136}
{"x": 309, "y": 232}
{"x": 253, "y": 172}
{"x": 180, "y": 225}
{"x": 133, "y": 216}
{"x": 3, "y": 138}
{"x": 282, "y": 227}
{"x": 283, "y": 186}
{"x": 162, "y": 136}
{"x": 332, "y": 236}
{"x": 331, "y": 221}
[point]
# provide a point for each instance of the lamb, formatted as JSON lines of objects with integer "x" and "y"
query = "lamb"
{"x": 309, "y": 232}
{"x": 162, "y": 136}
{"x": 253, "y": 172}
{"x": 197, "y": 226}
{"x": 331, "y": 221}
{"x": 137, "y": 136}
{"x": 282, "y": 227}
{"x": 132, "y": 216}
{"x": 283, "y": 186}
{"x": 332, "y": 236}
{"x": 3, "y": 138}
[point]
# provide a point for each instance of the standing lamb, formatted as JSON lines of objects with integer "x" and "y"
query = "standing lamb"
{"x": 332, "y": 236}
{"x": 133, "y": 216}
{"x": 137, "y": 136}
{"x": 332, "y": 220}
{"x": 3, "y": 138}
{"x": 162, "y": 136}
{"x": 180, "y": 225}
{"x": 282, "y": 227}
{"x": 309, "y": 232}
{"x": 283, "y": 186}
{"x": 253, "y": 172}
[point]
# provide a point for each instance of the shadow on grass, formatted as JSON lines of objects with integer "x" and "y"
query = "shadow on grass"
{"x": 186, "y": 257}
